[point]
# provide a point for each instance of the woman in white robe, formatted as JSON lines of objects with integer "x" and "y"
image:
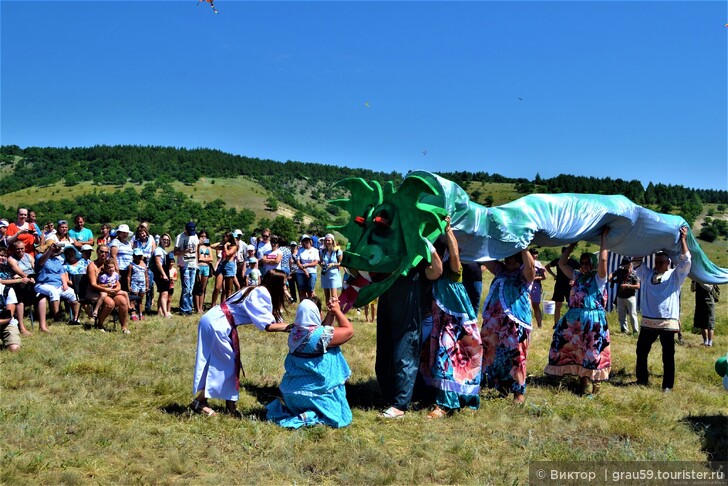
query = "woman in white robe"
{"x": 217, "y": 364}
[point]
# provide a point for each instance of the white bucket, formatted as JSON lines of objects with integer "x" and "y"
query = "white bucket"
{"x": 549, "y": 307}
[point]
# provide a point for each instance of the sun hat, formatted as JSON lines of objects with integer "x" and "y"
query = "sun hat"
{"x": 124, "y": 228}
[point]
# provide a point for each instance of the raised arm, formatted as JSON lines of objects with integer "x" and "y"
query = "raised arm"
{"x": 564, "y": 261}
{"x": 529, "y": 265}
{"x": 452, "y": 247}
{"x": 602, "y": 265}
{"x": 434, "y": 269}
{"x": 344, "y": 331}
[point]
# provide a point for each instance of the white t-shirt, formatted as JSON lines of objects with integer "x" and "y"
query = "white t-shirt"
{"x": 188, "y": 246}
{"x": 306, "y": 257}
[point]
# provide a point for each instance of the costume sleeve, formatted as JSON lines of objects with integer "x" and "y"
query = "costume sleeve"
{"x": 259, "y": 308}
{"x": 327, "y": 336}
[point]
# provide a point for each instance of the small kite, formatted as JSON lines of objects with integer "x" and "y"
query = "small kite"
{"x": 211, "y": 2}
{"x": 366, "y": 104}
{"x": 424, "y": 152}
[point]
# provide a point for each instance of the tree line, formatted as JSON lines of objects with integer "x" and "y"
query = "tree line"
{"x": 287, "y": 182}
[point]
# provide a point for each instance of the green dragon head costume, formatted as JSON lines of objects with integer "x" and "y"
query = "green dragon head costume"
{"x": 387, "y": 231}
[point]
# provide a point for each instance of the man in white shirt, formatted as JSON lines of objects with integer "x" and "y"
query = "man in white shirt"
{"x": 185, "y": 248}
{"x": 660, "y": 303}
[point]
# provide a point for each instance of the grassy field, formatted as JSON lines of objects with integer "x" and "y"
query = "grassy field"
{"x": 84, "y": 407}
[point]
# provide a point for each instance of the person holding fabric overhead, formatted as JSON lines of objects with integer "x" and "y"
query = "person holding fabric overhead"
{"x": 316, "y": 371}
{"x": 506, "y": 331}
{"x": 452, "y": 356}
{"x": 217, "y": 363}
{"x": 580, "y": 345}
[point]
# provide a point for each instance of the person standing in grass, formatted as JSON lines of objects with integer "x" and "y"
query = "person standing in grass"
{"x": 330, "y": 261}
{"x": 452, "y": 357}
{"x": 307, "y": 261}
{"x": 506, "y": 331}
{"x": 399, "y": 334}
{"x": 217, "y": 363}
{"x": 316, "y": 371}
{"x": 580, "y": 345}
{"x": 704, "y": 317}
{"x": 661, "y": 310}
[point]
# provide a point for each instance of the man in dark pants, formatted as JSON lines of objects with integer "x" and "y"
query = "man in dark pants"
{"x": 661, "y": 311}
{"x": 399, "y": 330}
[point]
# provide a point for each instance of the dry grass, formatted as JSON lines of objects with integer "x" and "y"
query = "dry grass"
{"x": 85, "y": 407}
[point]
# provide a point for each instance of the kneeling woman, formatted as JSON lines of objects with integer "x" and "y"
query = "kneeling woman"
{"x": 313, "y": 385}
{"x": 217, "y": 364}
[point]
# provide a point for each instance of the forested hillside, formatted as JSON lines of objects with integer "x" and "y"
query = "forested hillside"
{"x": 304, "y": 187}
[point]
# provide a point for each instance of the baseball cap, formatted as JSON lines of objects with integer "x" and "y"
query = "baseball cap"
{"x": 250, "y": 248}
{"x": 252, "y": 260}
{"x": 87, "y": 247}
{"x": 292, "y": 243}
{"x": 238, "y": 232}
{"x": 305, "y": 237}
{"x": 191, "y": 228}
{"x": 625, "y": 261}
{"x": 3, "y": 223}
{"x": 122, "y": 227}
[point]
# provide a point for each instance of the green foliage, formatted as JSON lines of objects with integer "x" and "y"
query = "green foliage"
{"x": 713, "y": 228}
{"x": 271, "y": 204}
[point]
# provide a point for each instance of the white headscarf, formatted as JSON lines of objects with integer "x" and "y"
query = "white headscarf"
{"x": 308, "y": 320}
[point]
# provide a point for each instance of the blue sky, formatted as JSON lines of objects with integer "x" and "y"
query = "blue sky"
{"x": 636, "y": 90}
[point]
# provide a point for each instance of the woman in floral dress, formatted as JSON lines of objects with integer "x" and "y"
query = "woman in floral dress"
{"x": 506, "y": 331}
{"x": 580, "y": 345}
{"x": 452, "y": 356}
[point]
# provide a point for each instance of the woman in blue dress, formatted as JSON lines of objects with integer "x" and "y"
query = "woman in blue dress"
{"x": 316, "y": 371}
{"x": 330, "y": 263}
{"x": 451, "y": 358}
{"x": 506, "y": 331}
{"x": 580, "y": 345}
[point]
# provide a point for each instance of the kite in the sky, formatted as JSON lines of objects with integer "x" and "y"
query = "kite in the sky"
{"x": 389, "y": 226}
{"x": 211, "y": 2}
{"x": 366, "y": 104}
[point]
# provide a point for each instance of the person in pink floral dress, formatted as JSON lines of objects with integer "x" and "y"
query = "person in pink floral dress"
{"x": 580, "y": 345}
{"x": 506, "y": 331}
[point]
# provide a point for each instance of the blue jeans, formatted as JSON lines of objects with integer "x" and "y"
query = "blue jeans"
{"x": 150, "y": 291}
{"x": 188, "y": 282}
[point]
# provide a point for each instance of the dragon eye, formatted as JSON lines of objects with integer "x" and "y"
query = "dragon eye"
{"x": 381, "y": 221}
{"x": 360, "y": 220}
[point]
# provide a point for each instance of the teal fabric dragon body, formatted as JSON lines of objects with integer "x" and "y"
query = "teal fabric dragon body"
{"x": 388, "y": 227}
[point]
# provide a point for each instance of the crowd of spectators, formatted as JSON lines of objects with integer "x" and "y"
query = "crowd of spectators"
{"x": 118, "y": 271}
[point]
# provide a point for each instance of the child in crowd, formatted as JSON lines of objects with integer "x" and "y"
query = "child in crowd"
{"x": 109, "y": 278}
{"x": 172, "y": 279}
{"x": 253, "y": 274}
{"x": 138, "y": 282}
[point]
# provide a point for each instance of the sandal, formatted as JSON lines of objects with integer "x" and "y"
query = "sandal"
{"x": 392, "y": 413}
{"x": 198, "y": 407}
{"x": 437, "y": 413}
